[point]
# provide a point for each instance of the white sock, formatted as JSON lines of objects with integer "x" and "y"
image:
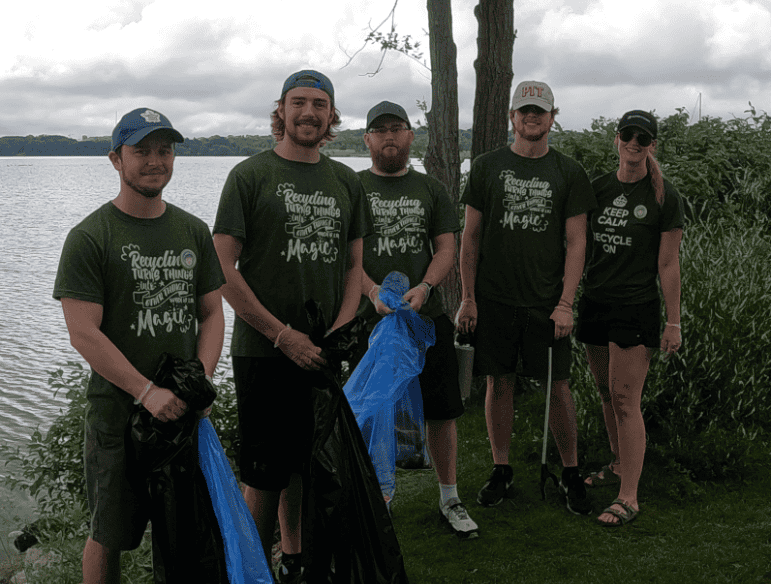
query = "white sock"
{"x": 448, "y": 492}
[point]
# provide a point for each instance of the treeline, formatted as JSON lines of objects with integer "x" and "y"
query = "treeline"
{"x": 347, "y": 143}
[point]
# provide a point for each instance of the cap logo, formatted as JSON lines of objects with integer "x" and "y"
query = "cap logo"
{"x": 532, "y": 91}
{"x": 151, "y": 117}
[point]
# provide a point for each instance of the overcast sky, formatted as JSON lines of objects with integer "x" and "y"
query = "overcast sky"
{"x": 216, "y": 67}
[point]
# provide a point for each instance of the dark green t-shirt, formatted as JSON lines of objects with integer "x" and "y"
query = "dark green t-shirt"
{"x": 524, "y": 204}
{"x": 409, "y": 211}
{"x": 295, "y": 221}
{"x": 623, "y": 239}
{"x": 147, "y": 274}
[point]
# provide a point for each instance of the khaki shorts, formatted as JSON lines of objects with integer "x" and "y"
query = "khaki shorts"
{"x": 118, "y": 500}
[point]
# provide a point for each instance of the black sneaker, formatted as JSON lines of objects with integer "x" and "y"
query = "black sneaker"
{"x": 572, "y": 486}
{"x": 289, "y": 570}
{"x": 497, "y": 487}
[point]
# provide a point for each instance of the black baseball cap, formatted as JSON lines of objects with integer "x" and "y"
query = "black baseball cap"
{"x": 639, "y": 119}
{"x": 387, "y": 108}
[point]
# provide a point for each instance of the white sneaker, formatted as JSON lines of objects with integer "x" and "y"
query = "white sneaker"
{"x": 458, "y": 518}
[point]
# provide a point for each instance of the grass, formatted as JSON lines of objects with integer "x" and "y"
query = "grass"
{"x": 688, "y": 533}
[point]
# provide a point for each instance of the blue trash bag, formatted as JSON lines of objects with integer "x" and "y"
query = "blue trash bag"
{"x": 385, "y": 381}
{"x": 245, "y": 559}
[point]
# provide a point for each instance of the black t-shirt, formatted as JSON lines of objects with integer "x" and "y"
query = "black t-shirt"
{"x": 295, "y": 221}
{"x": 148, "y": 275}
{"x": 409, "y": 211}
{"x": 524, "y": 204}
{"x": 623, "y": 239}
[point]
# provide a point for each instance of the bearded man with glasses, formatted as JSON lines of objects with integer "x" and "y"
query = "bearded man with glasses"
{"x": 522, "y": 256}
{"x": 415, "y": 225}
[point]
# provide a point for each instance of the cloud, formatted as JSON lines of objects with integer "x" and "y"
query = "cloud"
{"x": 216, "y": 68}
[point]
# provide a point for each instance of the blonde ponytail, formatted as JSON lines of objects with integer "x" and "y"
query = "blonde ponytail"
{"x": 657, "y": 178}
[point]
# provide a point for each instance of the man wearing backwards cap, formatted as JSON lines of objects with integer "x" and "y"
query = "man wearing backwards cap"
{"x": 289, "y": 228}
{"x": 419, "y": 242}
{"x": 522, "y": 255}
{"x": 109, "y": 293}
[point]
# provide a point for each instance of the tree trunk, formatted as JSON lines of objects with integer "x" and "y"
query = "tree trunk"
{"x": 442, "y": 160}
{"x": 495, "y": 46}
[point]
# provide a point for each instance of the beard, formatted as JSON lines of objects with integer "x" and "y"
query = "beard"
{"x": 147, "y": 192}
{"x": 391, "y": 163}
{"x": 306, "y": 142}
{"x": 535, "y": 137}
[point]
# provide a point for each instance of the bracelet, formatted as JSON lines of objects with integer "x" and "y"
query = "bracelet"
{"x": 428, "y": 289}
{"x": 278, "y": 336}
{"x": 144, "y": 393}
{"x": 674, "y": 325}
{"x": 370, "y": 294}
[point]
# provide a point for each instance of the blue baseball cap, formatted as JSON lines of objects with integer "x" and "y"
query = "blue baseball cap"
{"x": 309, "y": 78}
{"x": 138, "y": 123}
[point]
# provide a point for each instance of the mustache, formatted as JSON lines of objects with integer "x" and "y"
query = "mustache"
{"x": 309, "y": 120}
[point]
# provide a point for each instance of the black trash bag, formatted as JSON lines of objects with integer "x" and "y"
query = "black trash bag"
{"x": 187, "y": 545}
{"x": 347, "y": 533}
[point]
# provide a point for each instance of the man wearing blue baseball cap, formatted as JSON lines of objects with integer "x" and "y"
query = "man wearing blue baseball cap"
{"x": 137, "y": 278}
{"x": 289, "y": 229}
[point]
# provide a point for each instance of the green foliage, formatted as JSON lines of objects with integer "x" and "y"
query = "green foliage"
{"x": 51, "y": 464}
{"x": 710, "y": 403}
{"x": 716, "y": 165}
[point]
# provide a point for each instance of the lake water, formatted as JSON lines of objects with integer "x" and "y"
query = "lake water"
{"x": 41, "y": 199}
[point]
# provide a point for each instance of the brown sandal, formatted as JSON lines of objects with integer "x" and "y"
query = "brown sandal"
{"x": 628, "y": 514}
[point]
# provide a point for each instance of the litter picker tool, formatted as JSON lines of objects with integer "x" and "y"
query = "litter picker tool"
{"x": 546, "y": 474}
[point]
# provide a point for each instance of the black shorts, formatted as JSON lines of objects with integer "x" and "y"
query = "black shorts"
{"x": 515, "y": 339}
{"x": 275, "y": 419}
{"x": 118, "y": 500}
{"x": 627, "y": 325}
{"x": 439, "y": 379}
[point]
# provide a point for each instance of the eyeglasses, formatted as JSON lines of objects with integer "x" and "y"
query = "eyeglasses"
{"x": 531, "y": 109}
{"x": 384, "y": 130}
{"x": 643, "y": 138}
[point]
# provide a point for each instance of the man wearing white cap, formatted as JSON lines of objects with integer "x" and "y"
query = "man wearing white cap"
{"x": 522, "y": 256}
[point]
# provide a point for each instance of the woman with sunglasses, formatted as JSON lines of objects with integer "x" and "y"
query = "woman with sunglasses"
{"x": 634, "y": 237}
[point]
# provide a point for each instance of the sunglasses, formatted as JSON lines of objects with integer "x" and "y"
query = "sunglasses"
{"x": 643, "y": 139}
{"x": 531, "y": 109}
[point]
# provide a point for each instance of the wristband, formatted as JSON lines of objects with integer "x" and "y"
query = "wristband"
{"x": 429, "y": 287}
{"x": 281, "y": 332}
{"x": 144, "y": 393}
{"x": 674, "y": 325}
{"x": 370, "y": 294}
